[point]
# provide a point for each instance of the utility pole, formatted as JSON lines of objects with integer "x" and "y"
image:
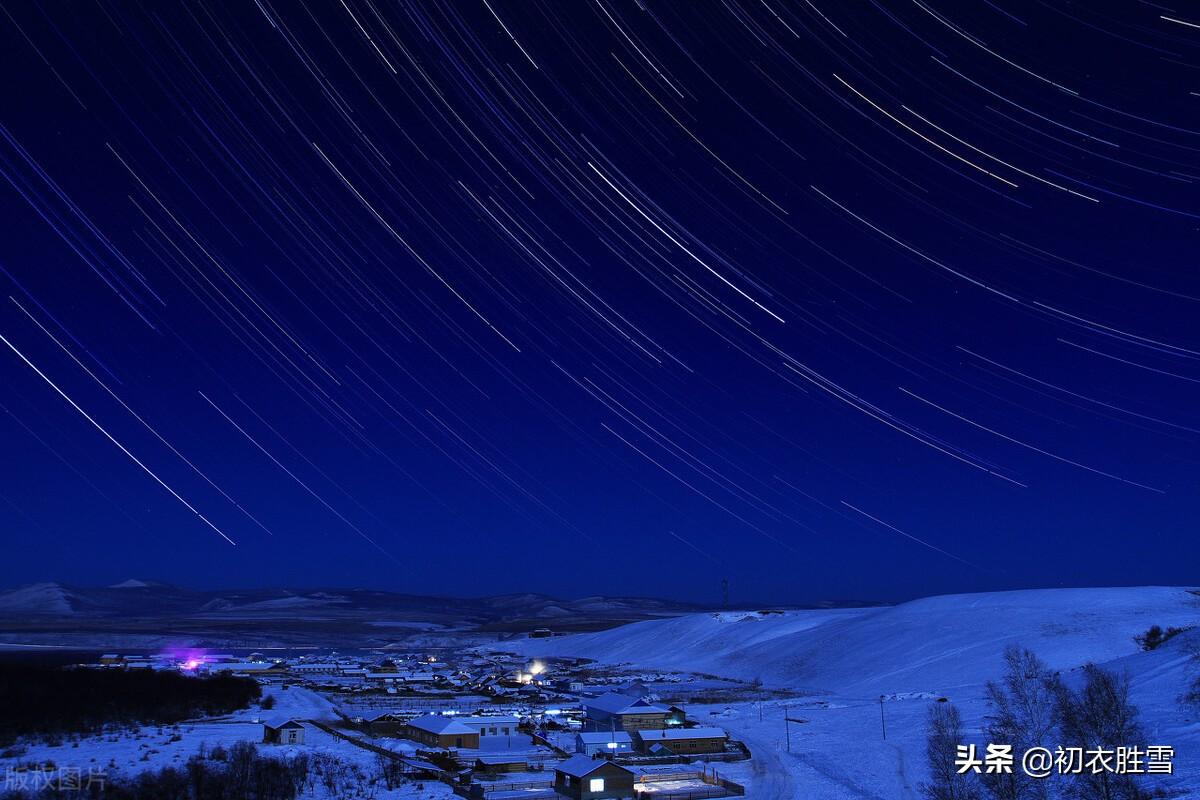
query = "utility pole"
{"x": 787, "y": 729}
{"x": 882, "y": 721}
{"x": 725, "y": 593}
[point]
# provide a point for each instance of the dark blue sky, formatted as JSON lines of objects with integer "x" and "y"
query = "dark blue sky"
{"x": 857, "y": 300}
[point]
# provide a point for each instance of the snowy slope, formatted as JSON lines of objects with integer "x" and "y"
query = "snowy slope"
{"x": 869, "y": 664}
{"x": 37, "y": 598}
{"x": 934, "y": 644}
{"x": 135, "y": 598}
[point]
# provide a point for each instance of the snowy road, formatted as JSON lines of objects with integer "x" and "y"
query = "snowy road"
{"x": 772, "y": 780}
{"x": 300, "y": 703}
{"x": 837, "y": 754}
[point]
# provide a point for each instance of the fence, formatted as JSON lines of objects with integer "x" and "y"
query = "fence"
{"x": 731, "y": 787}
{"x": 734, "y": 751}
{"x": 542, "y": 740}
{"x": 662, "y": 777}
{"x": 696, "y": 793}
{"x": 480, "y": 791}
{"x": 711, "y": 785}
{"x": 374, "y": 748}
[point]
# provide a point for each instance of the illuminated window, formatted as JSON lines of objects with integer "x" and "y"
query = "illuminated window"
{"x": 596, "y": 785}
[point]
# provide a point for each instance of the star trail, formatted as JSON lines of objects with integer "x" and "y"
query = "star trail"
{"x": 858, "y": 300}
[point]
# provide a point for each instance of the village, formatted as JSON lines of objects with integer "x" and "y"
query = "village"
{"x": 484, "y": 725}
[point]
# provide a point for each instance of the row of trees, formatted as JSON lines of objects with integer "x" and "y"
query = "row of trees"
{"x": 51, "y": 701}
{"x": 1034, "y": 707}
{"x": 239, "y": 773}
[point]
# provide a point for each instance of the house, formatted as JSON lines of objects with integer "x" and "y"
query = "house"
{"x": 677, "y": 716}
{"x": 384, "y": 677}
{"x": 683, "y": 741}
{"x": 487, "y": 726}
{"x": 601, "y": 743}
{"x": 314, "y": 668}
{"x": 634, "y": 689}
{"x": 621, "y": 712}
{"x": 442, "y": 732}
{"x": 583, "y": 778}
{"x": 249, "y": 668}
{"x": 283, "y": 730}
{"x": 493, "y": 765}
{"x": 386, "y": 724}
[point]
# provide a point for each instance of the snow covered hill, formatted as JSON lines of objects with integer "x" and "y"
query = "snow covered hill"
{"x": 38, "y": 598}
{"x": 868, "y": 666}
{"x": 138, "y": 614}
{"x": 930, "y": 645}
{"x": 140, "y": 598}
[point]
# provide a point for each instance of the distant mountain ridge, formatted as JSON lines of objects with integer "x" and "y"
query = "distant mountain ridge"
{"x": 140, "y": 599}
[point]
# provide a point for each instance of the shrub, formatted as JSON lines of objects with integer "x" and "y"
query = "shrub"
{"x": 1155, "y": 637}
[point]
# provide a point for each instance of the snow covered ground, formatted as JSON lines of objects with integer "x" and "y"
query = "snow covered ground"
{"x": 125, "y": 754}
{"x": 825, "y": 742}
{"x": 842, "y": 661}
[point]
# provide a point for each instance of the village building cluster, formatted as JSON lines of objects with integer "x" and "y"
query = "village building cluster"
{"x": 488, "y": 723}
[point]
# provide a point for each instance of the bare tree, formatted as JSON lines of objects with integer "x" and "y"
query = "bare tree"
{"x": 1022, "y": 715}
{"x": 390, "y": 770}
{"x": 941, "y": 750}
{"x": 1099, "y": 715}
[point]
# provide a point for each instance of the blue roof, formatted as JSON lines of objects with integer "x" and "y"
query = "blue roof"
{"x": 278, "y": 722}
{"x": 613, "y": 703}
{"x": 672, "y": 734}
{"x": 440, "y": 725}
{"x": 579, "y": 766}
{"x": 601, "y": 738}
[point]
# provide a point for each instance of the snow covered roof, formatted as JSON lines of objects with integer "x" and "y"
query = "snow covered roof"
{"x": 620, "y": 737}
{"x": 675, "y": 734}
{"x": 578, "y": 766}
{"x": 497, "y": 760}
{"x": 613, "y": 703}
{"x": 479, "y": 719}
{"x": 247, "y": 666}
{"x": 278, "y": 722}
{"x": 439, "y": 725}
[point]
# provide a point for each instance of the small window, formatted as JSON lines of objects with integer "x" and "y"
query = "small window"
{"x": 596, "y": 785}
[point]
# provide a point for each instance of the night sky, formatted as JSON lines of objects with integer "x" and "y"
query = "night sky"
{"x": 845, "y": 300}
